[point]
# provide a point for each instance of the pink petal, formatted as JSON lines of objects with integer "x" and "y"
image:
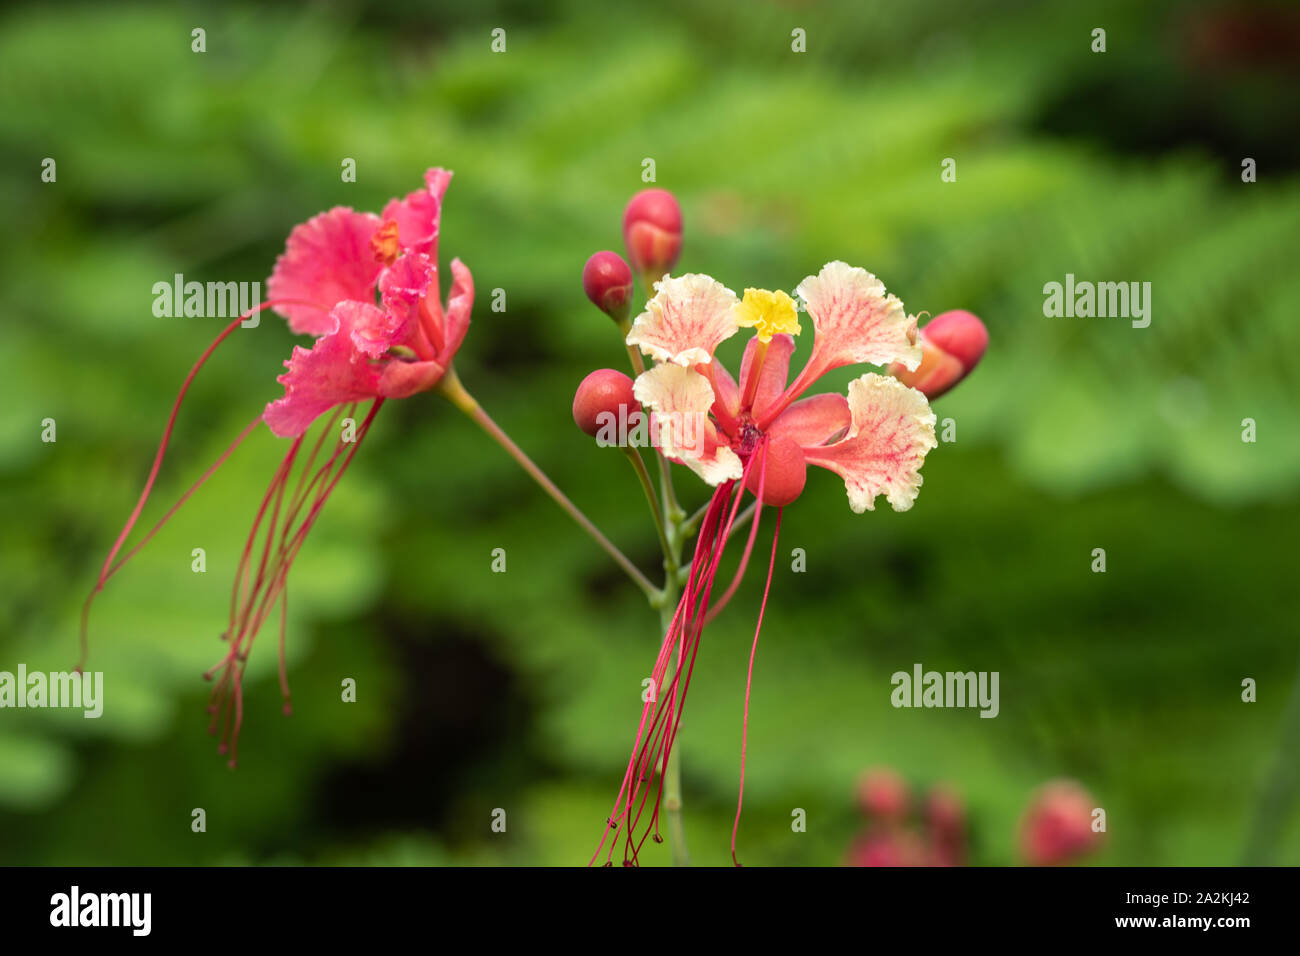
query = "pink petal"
{"x": 402, "y": 379}
{"x": 417, "y": 215}
{"x": 726, "y": 405}
{"x": 686, "y": 320}
{"x": 813, "y": 420}
{"x": 326, "y": 260}
{"x": 772, "y": 376}
{"x": 855, "y": 323}
{"x": 460, "y": 301}
{"x": 330, "y": 373}
{"x": 892, "y": 429}
{"x": 401, "y": 288}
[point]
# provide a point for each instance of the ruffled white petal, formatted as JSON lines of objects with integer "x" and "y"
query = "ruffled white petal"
{"x": 686, "y": 320}
{"x": 681, "y": 399}
{"x": 856, "y": 322}
{"x": 892, "y": 428}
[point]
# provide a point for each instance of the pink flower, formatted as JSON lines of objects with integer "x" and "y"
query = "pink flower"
{"x": 330, "y": 271}
{"x": 760, "y": 434}
{"x": 367, "y": 288}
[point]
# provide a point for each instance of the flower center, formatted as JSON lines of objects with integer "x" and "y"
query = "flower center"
{"x": 750, "y": 436}
{"x": 384, "y": 243}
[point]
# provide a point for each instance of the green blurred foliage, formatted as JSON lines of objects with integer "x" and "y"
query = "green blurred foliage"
{"x": 521, "y": 691}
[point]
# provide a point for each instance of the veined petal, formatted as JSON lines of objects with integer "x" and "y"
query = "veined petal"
{"x": 856, "y": 322}
{"x": 326, "y": 260}
{"x": 892, "y": 429}
{"x": 681, "y": 399}
{"x": 402, "y": 379}
{"x": 814, "y": 420}
{"x": 686, "y": 320}
{"x": 330, "y": 373}
{"x": 418, "y": 214}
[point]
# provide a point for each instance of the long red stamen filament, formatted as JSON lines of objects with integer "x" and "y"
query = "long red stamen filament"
{"x": 284, "y": 672}
{"x": 276, "y": 489}
{"x": 108, "y": 567}
{"x": 279, "y": 550}
{"x": 749, "y": 683}
{"x": 705, "y": 536}
{"x": 212, "y": 469}
{"x": 661, "y": 717}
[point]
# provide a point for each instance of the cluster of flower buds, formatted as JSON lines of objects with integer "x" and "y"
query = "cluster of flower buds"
{"x": 1056, "y": 828}
{"x": 931, "y": 832}
{"x": 652, "y": 232}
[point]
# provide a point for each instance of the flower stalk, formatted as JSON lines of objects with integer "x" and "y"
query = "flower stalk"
{"x": 452, "y": 389}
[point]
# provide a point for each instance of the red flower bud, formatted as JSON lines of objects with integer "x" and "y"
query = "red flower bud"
{"x": 1057, "y": 825}
{"x": 882, "y": 794}
{"x": 603, "y": 391}
{"x": 951, "y": 346}
{"x": 607, "y": 280}
{"x": 652, "y": 229}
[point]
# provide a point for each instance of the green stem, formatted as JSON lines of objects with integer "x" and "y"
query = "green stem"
{"x": 455, "y": 392}
{"x": 633, "y": 353}
{"x": 693, "y": 522}
{"x": 638, "y": 465}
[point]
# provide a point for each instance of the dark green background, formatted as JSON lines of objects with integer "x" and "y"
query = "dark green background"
{"x": 521, "y": 691}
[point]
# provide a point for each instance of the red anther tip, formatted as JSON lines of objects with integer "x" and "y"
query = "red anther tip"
{"x": 287, "y": 710}
{"x": 232, "y": 764}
